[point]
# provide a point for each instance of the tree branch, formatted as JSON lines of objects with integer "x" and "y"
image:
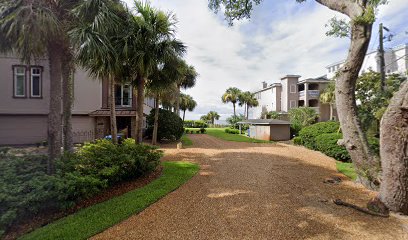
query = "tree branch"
{"x": 348, "y": 7}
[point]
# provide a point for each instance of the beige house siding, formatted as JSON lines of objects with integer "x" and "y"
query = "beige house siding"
{"x": 23, "y": 129}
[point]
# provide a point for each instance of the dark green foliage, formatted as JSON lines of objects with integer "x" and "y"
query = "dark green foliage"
{"x": 195, "y": 124}
{"x": 26, "y": 189}
{"x": 374, "y": 144}
{"x": 202, "y": 130}
{"x": 231, "y": 131}
{"x": 301, "y": 117}
{"x": 170, "y": 125}
{"x": 233, "y": 122}
{"x": 297, "y": 141}
{"x": 309, "y": 134}
{"x": 327, "y": 144}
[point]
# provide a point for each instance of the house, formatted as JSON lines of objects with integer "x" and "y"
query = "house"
{"x": 291, "y": 92}
{"x": 396, "y": 61}
{"x": 25, "y": 96}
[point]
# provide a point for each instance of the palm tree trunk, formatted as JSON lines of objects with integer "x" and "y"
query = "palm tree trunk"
{"x": 247, "y": 112}
{"x": 233, "y": 104}
{"x": 67, "y": 99}
{"x": 140, "y": 102}
{"x": 177, "y": 104}
{"x": 112, "y": 106}
{"x": 184, "y": 114}
{"x": 245, "y": 109}
{"x": 331, "y": 111}
{"x": 156, "y": 121}
{"x": 54, "y": 115}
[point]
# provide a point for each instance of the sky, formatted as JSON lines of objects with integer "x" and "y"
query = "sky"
{"x": 282, "y": 37}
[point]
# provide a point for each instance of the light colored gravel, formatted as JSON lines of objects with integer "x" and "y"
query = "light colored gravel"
{"x": 257, "y": 191}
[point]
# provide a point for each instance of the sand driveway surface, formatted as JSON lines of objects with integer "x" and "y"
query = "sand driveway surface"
{"x": 257, "y": 191}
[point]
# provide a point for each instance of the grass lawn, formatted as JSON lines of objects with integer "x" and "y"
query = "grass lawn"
{"x": 186, "y": 141}
{"x": 92, "y": 220}
{"x": 220, "y": 133}
{"x": 347, "y": 169}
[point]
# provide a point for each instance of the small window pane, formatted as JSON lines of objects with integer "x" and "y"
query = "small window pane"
{"x": 36, "y": 86}
{"x": 20, "y": 85}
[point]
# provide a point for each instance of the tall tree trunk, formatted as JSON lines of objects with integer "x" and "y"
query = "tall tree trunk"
{"x": 112, "y": 106}
{"x": 67, "y": 99}
{"x": 247, "y": 112}
{"x": 394, "y": 153}
{"x": 177, "y": 103}
{"x": 233, "y": 104}
{"x": 156, "y": 121}
{"x": 140, "y": 103}
{"x": 354, "y": 139}
{"x": 184, "y": 114}
{"x": 54, "y": 115}
{"x": 331, "y": 111}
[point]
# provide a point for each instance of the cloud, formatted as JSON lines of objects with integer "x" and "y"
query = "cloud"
{"x": 282, "y": 37}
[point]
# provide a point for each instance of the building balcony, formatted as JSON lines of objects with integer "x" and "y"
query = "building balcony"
{"x": 310, "y": 93}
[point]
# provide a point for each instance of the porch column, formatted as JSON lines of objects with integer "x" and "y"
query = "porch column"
{"x": 306, "y": 94}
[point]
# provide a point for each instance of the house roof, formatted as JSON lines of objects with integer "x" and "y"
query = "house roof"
{"x": 322, "y": 79}
{"x": 265, "y": 122}
{"x": 106, "y": 113}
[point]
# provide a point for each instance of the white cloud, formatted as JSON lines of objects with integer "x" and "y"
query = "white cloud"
{"x": 280, "y": 39}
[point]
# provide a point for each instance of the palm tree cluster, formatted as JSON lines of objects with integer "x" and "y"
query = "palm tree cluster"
{"x": 137, "y": 46}
{"x": 211, "y": 117}
{"x": 244, "y": 99}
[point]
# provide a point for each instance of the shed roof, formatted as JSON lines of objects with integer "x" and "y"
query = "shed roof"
{"x": 264, "y": 122}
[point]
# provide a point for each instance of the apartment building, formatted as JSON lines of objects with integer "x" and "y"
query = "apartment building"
{"x": 396, "y": 61}
{"x": 292, "y": 92}
{"x": 25, "y": 96}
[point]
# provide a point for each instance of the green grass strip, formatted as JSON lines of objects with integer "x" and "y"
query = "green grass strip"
{"x": 95, "y": 219}
{"x": 221, "y": 134}
{"x": 186, "y": 141}
{"x": 347, "y": 169}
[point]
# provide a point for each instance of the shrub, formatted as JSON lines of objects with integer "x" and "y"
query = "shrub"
{"x": 26, "y": 189}
{"x": 327, "y": 144}
{"x": 301, "y": 117}
{"x": 309, "y": 134}
{"x": 231, "y": 131}
{"x": 202, "y": 130}
{"x": 195, "y": 124}
{"x": 198, "y": 131}
{"x": 170, "y": 125}
{"x": 297, "y": 140}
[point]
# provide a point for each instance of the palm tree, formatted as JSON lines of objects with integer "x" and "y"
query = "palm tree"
{"x": 243, "y": 99}
{"x": 35, "y": 29}
{"x": 231, "y": 95}
{"x": 148, "y": 41}
{"x": 251, "y": 102}
{"x": 328, "y": 97}
{"x": 96, "y": 40}
{"x": 187, "y": 103}
{"x": 188, "y": 80}
{"x": 212, "y": 116}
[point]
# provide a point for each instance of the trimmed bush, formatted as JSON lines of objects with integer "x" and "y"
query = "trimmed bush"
{"x": 231, "y": 131}
{"x": 297, "y": 141}
{"x": 202, "y": 130}
{"x": 170, "y": 125}
{"x": 195, "y": 124}
{"x": 309, "y": 134}
{"x": 327, "y": 144}
{"x": 26, "y": 190}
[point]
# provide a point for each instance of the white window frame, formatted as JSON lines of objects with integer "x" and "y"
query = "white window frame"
{"x": 121, "y": 95}
{"x": 292, "y": 104}
{"x": 31, "y": 81}
{"x": 294, "y": 87}
{"x": 15, "y": 75}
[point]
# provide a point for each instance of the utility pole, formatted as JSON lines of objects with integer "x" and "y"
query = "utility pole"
{"x": 381, "y": 56}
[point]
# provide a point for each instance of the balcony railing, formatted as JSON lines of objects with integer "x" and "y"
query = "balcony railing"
{"x": 310, "y": 93}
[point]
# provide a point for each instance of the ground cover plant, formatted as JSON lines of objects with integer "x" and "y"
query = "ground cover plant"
{"x": 27, "y": 190}
{"x": 95, "y": 219}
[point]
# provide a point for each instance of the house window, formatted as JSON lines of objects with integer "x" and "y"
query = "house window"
{"x": 35, "y": 82}
{"x": 293, "y": 88}
{"x": 19, "y": 79}
{"x": 123, "y": 95}
{"x": 292, "y": 103}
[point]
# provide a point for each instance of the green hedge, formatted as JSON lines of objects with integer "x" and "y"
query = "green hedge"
{"x": 297, "y": 141}
{"x": 170, "y": 125}
{"x": 26, "y": 190}
{"x": 309, "y": 134}
{"x": 195, "y": 124}
{"x": 327, "y": 144}
{"x": 231, "y": 131}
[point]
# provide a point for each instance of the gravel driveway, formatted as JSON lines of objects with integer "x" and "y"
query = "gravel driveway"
{"x": 257, "y": 191}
